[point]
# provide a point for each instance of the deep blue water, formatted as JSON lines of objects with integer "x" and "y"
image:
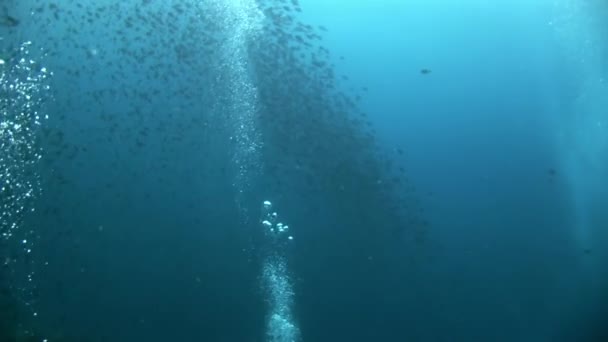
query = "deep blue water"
{"x": 469, "y": 207}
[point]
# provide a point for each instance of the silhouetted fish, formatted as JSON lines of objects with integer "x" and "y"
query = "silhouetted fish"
{"x": 8, "y": 21}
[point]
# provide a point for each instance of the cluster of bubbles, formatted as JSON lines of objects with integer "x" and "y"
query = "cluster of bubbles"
{"x": 236, "y": 94}
{"x": 24, "y": 86}
{"x": 270, "y": 222}
{"x": 276, "y": 282}
{"x": 23, "y": 89}
{"x": 280, "y": 324}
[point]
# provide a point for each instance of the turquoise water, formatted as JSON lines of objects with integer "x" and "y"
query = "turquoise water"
{"x": 283, "y": 170}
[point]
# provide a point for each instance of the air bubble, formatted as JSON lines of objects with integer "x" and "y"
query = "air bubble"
{"x": 267, "y": 205}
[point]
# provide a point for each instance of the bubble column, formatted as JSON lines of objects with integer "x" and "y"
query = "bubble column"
{"x": 276, "y": 281}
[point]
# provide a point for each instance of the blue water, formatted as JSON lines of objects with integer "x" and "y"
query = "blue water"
{"x": 148, "y": 225}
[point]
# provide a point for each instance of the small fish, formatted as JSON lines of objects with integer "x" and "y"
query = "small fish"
{"x": 425, "y": 71}
{"x": 8, "y": 21}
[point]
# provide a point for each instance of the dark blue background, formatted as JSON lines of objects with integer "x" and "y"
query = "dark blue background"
{"x": 505, "y": 141}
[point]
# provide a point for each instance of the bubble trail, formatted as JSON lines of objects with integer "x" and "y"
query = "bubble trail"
{"x": 280, "y": 323}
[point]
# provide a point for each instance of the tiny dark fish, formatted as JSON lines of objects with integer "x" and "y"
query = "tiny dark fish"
{"x": 8, "y": 21}
{"x": 425, "y": 71}
{"x": 552, "y": 172}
